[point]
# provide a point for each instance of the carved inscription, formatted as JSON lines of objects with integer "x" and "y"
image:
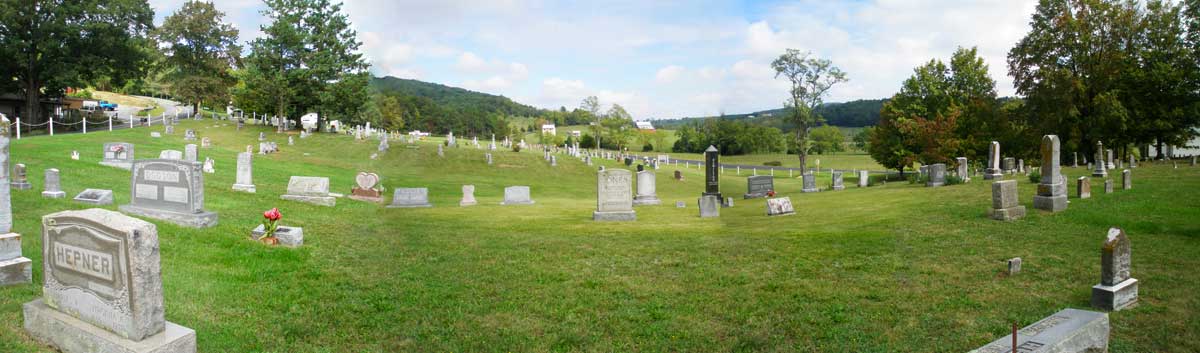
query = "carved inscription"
{"x": 83, "y": 261}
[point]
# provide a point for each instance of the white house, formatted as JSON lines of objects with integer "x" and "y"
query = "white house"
{"x": 644, "y": 126}
{"x": 576, "y": 133}
{"x": 549, "y": 129}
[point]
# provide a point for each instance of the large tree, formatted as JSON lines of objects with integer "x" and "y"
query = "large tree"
{"x": 1164, "y": 90}
{"x": 811, "y": 78}
{"x": 49, "y": 46}
{"x": 307, "y": 60}
{"x": 201, "y": 52}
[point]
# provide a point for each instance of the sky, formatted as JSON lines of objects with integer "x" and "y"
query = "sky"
{"x": 662, "y": 58}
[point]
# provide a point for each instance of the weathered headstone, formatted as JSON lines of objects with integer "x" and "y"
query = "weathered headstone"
{"x": 169, "y": 190}
{"x": 75, "y": 155}
{"x": 1067, "y": 331}
{"x": 262, "y": 136}
{"x": 1132, "y": 161}
{"x": 468, "y": 198}
{"x": 488, "y": 156}
{"x": 313, "y": 190}
{"x": 1109, "y": 159}
{"x": 1051, "y": 191}
{"x": 810, "y": 183}
{"x": 1014, "y": 266}
{"x": 517, "y": 195}
{"x": 837, "y": 182}
{"x": 758, "y": 186}
{"x": 961, "y": 169}
{"x": 1100, "y": 170}
{"x": 14, "y": 268}
{"x": 728, "y": 202}
{"x": 291, "y": 141}
{"x": 410, "y": 198}
{"x": 1021, "y": 165}
{"x": 20, "y": 179}
{"x": 209, "y": 165}
{"x": 245, "y": 174}
{"x": 440, "y": 152}
{"x": 366, "y": 188}
{"x": 96, "y": 197}
{"x": 118, "y": 154}
{"x": 1126, "y": 179}
{"x": 171, "y": 154}
{"x": 710, "y": 206}
{"x": 864, "y": 179}
{"x": 1005, "y": 206}
{"x": 712, "y": 173}
{"x": 678, "y": 175}
{"x": 155, "y": 134}
{"x": 206, "y": 142}
{"x": 1010, "y": 165}
{"x": 169, "y": 130}
{"x": 52, "y": 188}
{"x": 647, "y": 189}
{"x": 1117, "y": 290}
{"x": 1075, "y": 159}
{"x": 780, "y": 206}
{"x": 1108, "y": 186}
{"x": 937, "y": 175}
{"x": 614, "y": 196}
{"x": 1083, "y": 187}
{"x": 554, "y": 161}
{"x": 191, "y": 153}
{"x": 993, "y": 168}
{"x": 189, "y": 135}
{"x": 102, "y": 288}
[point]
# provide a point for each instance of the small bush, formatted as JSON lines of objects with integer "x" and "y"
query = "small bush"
{"x": 1035, "y": 176}
{"x": 917, "y": 178}
{"x": 648, "y": 148}
{"x": 773, "y": 164}
{"x": 516, "y": 148}
{"x": 953, "y": 180}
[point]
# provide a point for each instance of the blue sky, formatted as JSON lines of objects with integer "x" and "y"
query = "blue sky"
{"x": 662, "y": 59}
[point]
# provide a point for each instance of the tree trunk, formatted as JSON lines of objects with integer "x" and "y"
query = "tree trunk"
{"x": 32, "y": 98}
{"x": 1158, "y": 147}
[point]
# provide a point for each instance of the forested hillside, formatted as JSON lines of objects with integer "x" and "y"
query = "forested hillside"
{"x": 416, "y": 105}
{"x": 857, "y": 113}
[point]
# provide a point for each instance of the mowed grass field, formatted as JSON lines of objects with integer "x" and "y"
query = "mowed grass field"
{"x": 894, "y": 268}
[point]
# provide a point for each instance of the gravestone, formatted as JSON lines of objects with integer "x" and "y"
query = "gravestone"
{"x": 641, "y": 167}
{"x": 118, "y": 154}
{"x": 678, "y": 175}
{"x": 1126, "y": 180}
{"x": 383, "y": 143}
{"x": 517, "y": 195}
{"x": 937, "y": 175}
{"x": 20, "y": 181}
{"x": 1083, "y": 187}
{"x": 468, "y": 198}
{"x": 810, "y": 183}
{"x": 169, "y": 190}
{"x": 191, "y": 153}
{"x": 993, "y": 168}
{"x": 1108, "y": 186}
{"x": 313, "y": 190}
{"x": 1100, "y": 169}
{"x": 155, "y": 134}
{"x": 291, "y": 141}
{"x": 209, "y": 165}
{"x": 245, "y": 176}
{"x": 75, "y": 155}
{"x": 1117, "y": 290}
{"x": 171, "y": 154}
{"x": 712, "y": 173}
{"x": 1014, "y": 266}
{"x": 410, "y": 198}
{"x": 169, "y": 130}
{"x": 1051, "y": 191}
{"x": 488, "y": 156}
{"x": 262, "y": 136}
{"x": 728, "y": 202}
{"x": 1010, "y": 165}
{"x": 554, "y": 161}
{"x": 189, "y": 135}
{"x": 710, "y": 206}
{"x": 96, "y": 197}
{"x": 1109, "y": 154}
{"x": 102, "y": 289}
{"x": 14, "y": 268}
{"x": 366, "y": 188}
{"x": 614, "y": 196}
{"x": 961, "y": 169}
{"x": 780, "y": 206}
{"x": 1132, "y": 161}
{"x": 52, "y": 188}
{"x": 1021, "y": 165}
{"x": 1005, "y": 206}
{"x": 837, "y": 183}
{"x": 864, "y": 179}
{"x": 205, "y": 142}
{"x": 1067, "y": 331}
{"x": 758, "y": 186}
{"x": 680, "y": 204}
{"x": 440, "y": 152}
{"x": 1193, "y": 161}
{"x": 647, "y": 189}
{"x": 1075, "y": 159}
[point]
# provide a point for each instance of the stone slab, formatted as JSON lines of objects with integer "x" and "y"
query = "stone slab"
{"x": 292, "y": 237}
{"x": 1007, "y": 214}
{"x": 780, "y": 206}
{"x": 710, "y": 206}
{"x": 95, "y": 197}
{"x": 10, "y": 246}
{"x": 244, "y": 188}
{"x": 1117, "y": 297}
{"x": 70, "y": 335}
{"x": 1050, "y": 203}
{"x": 16, "y": 271}
{"x": 1067, "y": 331}
{"x": 316, "y": 200}
{"x": 617, "y": 216}
{"x": 54, "y": 194}
{"x": 410, "y": 198}
{"x": 194, "y": 220}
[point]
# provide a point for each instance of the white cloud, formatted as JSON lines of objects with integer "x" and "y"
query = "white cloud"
{"x": 669, "y": 73}
{"x": 468, "y": 61}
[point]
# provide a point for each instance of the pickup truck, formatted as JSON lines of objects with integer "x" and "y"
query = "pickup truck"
{"x": 105, "y": 105}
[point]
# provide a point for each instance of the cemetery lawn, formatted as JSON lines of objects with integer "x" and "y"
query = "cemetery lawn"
{"x": 895, "y": 268}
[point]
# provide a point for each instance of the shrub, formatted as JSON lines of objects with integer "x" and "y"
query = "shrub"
{"x": 773, "y": 164}
{"x": 516, "y": 147}
{"x": 1035, "y": 176}
{"x": 648, "y": 147}
{"x": 953, "y": 180}
{"x": 917, "y": 178}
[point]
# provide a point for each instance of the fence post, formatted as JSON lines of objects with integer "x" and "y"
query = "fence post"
{"x": 18, "y": 128}
{"x": 85, "y": 125}
{"x": 51, "y": 124}
{"x": 131, "y": 117}
{"x": 110, "y": 119}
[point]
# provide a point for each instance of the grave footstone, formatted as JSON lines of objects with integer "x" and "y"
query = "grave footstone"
{"x": 728, "y": 202}
{"x": 1083, "y": 187}
{"x": 810, "y": 183}
{"x": 1067, "y": 331}
{"x": 1051, "y": 191}
{"x": 647, "y": 189}
{"x": 1117, "y": 290}
{"x": 112, "y": 301}
{"x": 410, "y": 198}
{"x": 758, "y": 186}
{"x": 780, "y": 206}
{"x": 96, "y": 197}
{"x": 468, "y": 198}
{"x": 169, "y": 190}
{"x": 1126, "y": 179}
{"x": 14, "y": 268}
{"x": 937, "y": 175}
{"x": 20, "y": 179}
{"x": 118, "y": 154}
{"x": 864, "y": 179}
{"x": 52, "y": 188}
{"x": 313, "y": 190}
{"x": 245, "y": 175}
{"x": 993, "y": 168}
{"x": 1005, "y": 206}
{"x": 614, "y": 196}
{"x": 517, "y": 195}
{"x": 837, "y": 183}
{"x": 366, "y": 188}
{"x": 1100, "y": 170}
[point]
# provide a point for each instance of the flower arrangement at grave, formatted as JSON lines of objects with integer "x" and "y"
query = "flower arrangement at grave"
{"x": 270, "y": 225}
{"x": 771, "y": 193}
{"x": 117, "y": 148}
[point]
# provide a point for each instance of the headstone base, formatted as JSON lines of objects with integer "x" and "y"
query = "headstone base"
{"x": 646, "y": 200}
{"x": 1007, "y": 214}
{"x": 623, "y": 216}
{"x": 839, "y": 187}
{"x": 122, "y": 165}
{"x": 316, "y": 200}
{"x": 194, "y": 220}
{"x": 1069, "y": 330}
{"x": 934, "y": 184}
{"x": 20, "y": 186}
{"x": 710, "y": 206}
{"x": 810, "y": 190}
{"x": 54, "y": 194}
{"x": 16, "y": 271}
{"x": 1114, "y": 298}
{"x": 244, "y": 188}
{"x": 510, "y": 203}
{"x": 71, "y": 335}
{"x": 1050, "y": 203}
{"x": 1100, "y": 174}
{"x": 467, "y": 203}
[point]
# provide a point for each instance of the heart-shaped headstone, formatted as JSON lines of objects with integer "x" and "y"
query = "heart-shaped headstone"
{"x": 366, "y": 180}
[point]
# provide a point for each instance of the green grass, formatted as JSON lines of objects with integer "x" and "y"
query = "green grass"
{"x": 895, "y": 268}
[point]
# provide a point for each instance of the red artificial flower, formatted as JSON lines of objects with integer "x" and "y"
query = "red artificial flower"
{"x": 771, "y": 193}
{"x": 272, "y": 214}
